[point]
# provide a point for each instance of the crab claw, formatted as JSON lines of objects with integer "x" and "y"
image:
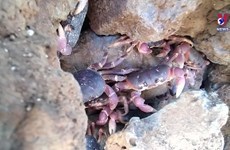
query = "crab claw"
{"x": 165, "y": 51}
{"x": 179, "y": 81}
{"x": 112, "y": 123}
{"x": 144, "y": 48}
{"x": 63, "y": 47}
{"x": 103, "y": 116}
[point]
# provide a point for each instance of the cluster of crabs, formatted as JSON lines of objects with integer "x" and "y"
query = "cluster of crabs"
{"x": 111, "y": 91}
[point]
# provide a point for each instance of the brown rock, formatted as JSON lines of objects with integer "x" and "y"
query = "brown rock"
{"x": 149, "y": 20}
{"x": 41, "y": 105}
{"x": 29, "y": 82}
{"x": 16, "y": 15}
{"x": 220, "y": 4}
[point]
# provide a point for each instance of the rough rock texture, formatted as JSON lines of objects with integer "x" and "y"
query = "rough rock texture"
{"x": 148, "y": 20}
{"x": 76, "y": 22}
{"x": 41, "y": 106}
{"x": 219, "y": 74}
{"x": 220, "y": 4}
{"x": 215, "y": 45}
{"x": 191, "y": 122}
{"x": 16, "y": 14}
{"x": 52, "y": 96}
{"x": 224, "y": 94}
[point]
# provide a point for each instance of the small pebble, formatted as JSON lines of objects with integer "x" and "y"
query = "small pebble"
{"x": 6, "y": 50}
{"x": 12, "y": 37}
{"x": 28, "y": 108}
{"x": 30, "y": 32}
{"x": 39, "y": 99}
{"x": 13, "y": 68}
{"x": 28, "y": 55}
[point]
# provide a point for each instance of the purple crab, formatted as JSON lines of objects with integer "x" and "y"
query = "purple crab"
{"x": 93, "y": 84}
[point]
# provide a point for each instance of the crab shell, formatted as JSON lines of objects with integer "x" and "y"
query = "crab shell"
{"x": 92, "y": 84}
{"x": 149, "y": 78}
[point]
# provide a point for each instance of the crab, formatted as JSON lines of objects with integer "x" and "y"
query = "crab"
{"x": 151, "y": 78}
{"x": 93, "y": 84}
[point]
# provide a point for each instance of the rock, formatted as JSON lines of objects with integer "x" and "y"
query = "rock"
{"x": 149, "y": 20}
{"x": 16, "y": 15}
{"x": 215, "y": 44}
{"x": 219, "y": 74}
{"x": 224, "y": 94}
{"x": 27, "y": 83}
{"x": 216, "y": 47}
{"x": 41, "y": 106}
{"x": 220, "y": 4}
{"x": 191, "y": 122}
{"x": 91, "y": 143}
{"x": 76, "y": 22}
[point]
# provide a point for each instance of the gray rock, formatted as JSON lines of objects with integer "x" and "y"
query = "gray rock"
{"x": 219, "y": 74}
{"x": 191, "y": 122}
{"x": 215, "y": 45}
{"x": 76, "y": 22}
{"x": 224, "y": 94}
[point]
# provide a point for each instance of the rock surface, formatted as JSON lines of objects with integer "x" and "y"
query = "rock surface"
{"x": 219, "y": 74}
{"x": 224, "y": 94}
{"x": 41, "y": 106}
{"x": 150, "y": 20}
{"x": 76, "y": 22}
{"x": 16, "y": 15}
{"x": 191, "y": 122}
{"x": 52, "y": 97}
{"x": 215, "y": 44}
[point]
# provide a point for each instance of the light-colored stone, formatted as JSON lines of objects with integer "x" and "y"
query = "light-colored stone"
{"x": 215, "y": 45}
{"x": 191, "y": 122}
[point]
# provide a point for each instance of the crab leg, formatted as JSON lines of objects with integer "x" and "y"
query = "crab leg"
{"x": 113, "y": 99}
{"x": 100, "y": 64}
{"x": 121, "y": 41}
{"x": 179, "y": 81}
{"x": 139, "y": 102}
{"x": 107, "y": 110}
{"x": 124, "y": 100}
{"x": 179, "y": 39}
{"x": 112, "y": 122}
{"x": 115, "y": 63}
{"x": 165, "y": 51}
